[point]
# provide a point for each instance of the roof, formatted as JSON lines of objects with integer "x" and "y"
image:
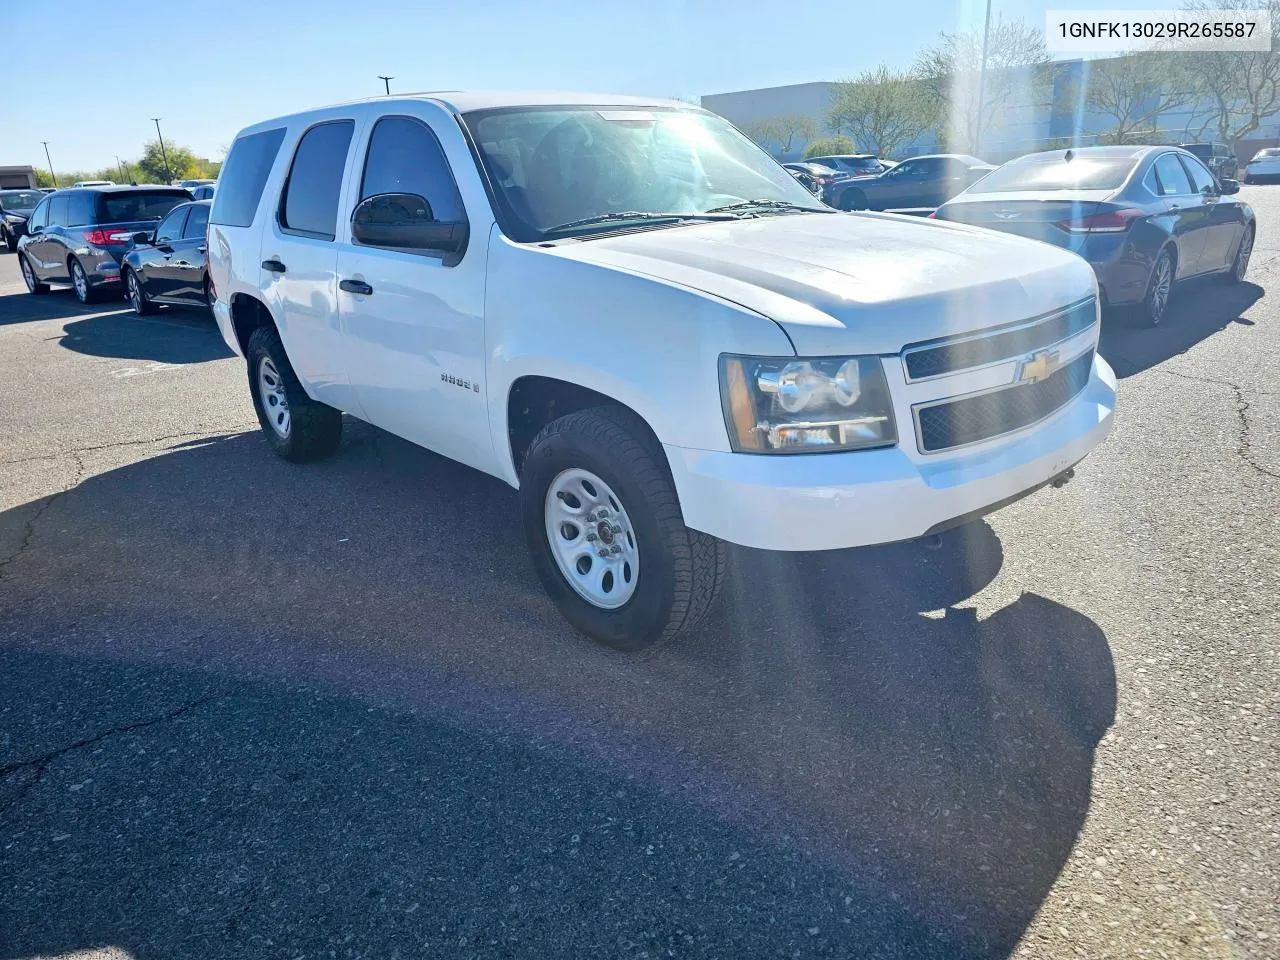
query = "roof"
{"x": 1123, "y": 153}
{"x": 123, "y": 186}
{"x": 465, "y": 101}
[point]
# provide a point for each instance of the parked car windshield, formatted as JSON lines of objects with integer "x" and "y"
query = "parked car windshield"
{"x": 129, "y": 207}
{"x": 1057, "y": 173}
{"x": 20, "y": 201}
{"x": 554, "y": 166}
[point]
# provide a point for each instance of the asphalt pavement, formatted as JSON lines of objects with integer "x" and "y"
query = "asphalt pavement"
{"x": 251, "y": 709}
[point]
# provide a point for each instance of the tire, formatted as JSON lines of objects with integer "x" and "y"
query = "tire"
{"x": 678, "y": 572}
{"x": 299, "y": 429}
{"x": 11, "y": 242}
{"x": 80, "y": 283}
{"x": 853, "y": 200}
{"x": 1240, "y": 265}
{"x": 1155, "y": 303}
{"x": 37, "y": 287}
{"x": 208, "y": 295}
{"x": 136, "y": 295}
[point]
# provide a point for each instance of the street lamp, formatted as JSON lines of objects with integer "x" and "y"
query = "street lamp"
{"x": 168, "y": 172}
{"x": 386, "y": 82}
{"x": 120, "y": 167}
{"x": 46, "y": 156}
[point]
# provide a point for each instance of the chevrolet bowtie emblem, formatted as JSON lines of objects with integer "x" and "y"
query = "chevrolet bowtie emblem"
{"x": 1038, "y": 366}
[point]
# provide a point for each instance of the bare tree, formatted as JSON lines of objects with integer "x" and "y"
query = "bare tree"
{"x": 763, "y": 132}
{"x": 952, "y": 74}
{"x": 1135, "y": 89}
{"x": 882, "y": 110}
{"x": 1242, "y": 88}
{"x": 779, "y": 134}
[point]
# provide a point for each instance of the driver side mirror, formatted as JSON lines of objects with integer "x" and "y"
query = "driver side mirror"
{"x": 141, "y": 238}
{"x": 1229, "y": 186}
{"x": 405, "y": 221}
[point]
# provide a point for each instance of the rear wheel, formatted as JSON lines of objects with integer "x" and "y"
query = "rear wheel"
{"x": 29, "y": 277}
{"x": 298, "y": 428}
{"x": 80, "y": 283}
{"x": 209, "y": 298}
{"x": 138, "y": 299}
{"x": 1159, "y": 289}
{"x": 607, "y": 537}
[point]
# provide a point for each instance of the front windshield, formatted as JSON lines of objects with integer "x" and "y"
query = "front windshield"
{"x": 18, "y": 201}
{"x": 556, "y": 166}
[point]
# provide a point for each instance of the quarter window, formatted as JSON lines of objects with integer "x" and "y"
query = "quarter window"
{"x": 1171, "y": 179}
{"x": 310, "y": 202}
{"x": 243, "y": 177}
{"x": 80, "y": 210}
{"x": 405, "y": 157}
{"x": 58, "y": 210}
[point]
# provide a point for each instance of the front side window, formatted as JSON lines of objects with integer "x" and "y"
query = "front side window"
{"x": 170, "y": 228}
{"x": 244, "y": 176}
{"x": 39, "y": 217}
{"x": 310, "y": 202}
{"x": 405, "y": 157}
{"x": 1201, "y": 178}
{"x": 1171, "y": 179}
{"x": 197, "y": 221}
{"x": 552, "y": 167}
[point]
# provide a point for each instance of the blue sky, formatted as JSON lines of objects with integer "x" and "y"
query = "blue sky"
{"x": 207, "y": 74}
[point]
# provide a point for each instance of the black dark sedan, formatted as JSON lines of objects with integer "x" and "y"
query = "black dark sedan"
{"x": 1144, "y": 217}
{"x": 167, "y": 265}
{"x": 79, "y": 236}
{"x": 914, "y": 183}
{"x": 15, "y": 208}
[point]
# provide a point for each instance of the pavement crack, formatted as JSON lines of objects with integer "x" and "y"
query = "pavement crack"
{"x": 33, "y": 768}
{"x": 1244, "y": 441}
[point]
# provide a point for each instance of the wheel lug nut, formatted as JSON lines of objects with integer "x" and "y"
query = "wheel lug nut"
{"x": 591, "y": 537}
{"x": 615, "y": 529}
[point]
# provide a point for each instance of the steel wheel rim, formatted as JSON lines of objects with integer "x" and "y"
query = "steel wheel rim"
{"x": 135, "y": 292}
{"x": 1160, "y": 288}
{"x": 28, "y": 275}
{"x": 80, "y": 282}
{"x": 592, "y": 539}
{"x": 275, "y": 405}
{"x": 1242, "y": 258}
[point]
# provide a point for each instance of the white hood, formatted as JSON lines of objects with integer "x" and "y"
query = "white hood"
{"x": 855, "y": 283}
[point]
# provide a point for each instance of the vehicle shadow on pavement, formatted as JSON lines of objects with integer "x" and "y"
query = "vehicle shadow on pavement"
{"x": 58, "y": 304}
{"x": 183, "y": 336}
{"x": 843, "y": 762}
{"x": 1198, "y": 310}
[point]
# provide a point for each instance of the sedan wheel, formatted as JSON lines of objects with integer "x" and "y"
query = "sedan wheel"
{"x": 137, "y": 296}
{"x": 1159, "y": 289}
{"x": 1241, "y": 266}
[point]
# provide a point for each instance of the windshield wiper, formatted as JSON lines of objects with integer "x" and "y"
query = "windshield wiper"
{"x": 769, "y": 204}
{"x": 633, "y": 215}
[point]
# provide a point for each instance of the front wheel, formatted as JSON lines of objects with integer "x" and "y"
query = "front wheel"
{"x": 11, "y": 241}
{"x": 29, "y": 277}
{"x": 1240, "y": 266}
{"x": 603, "y": 524}
{"x": 298, "y": 428}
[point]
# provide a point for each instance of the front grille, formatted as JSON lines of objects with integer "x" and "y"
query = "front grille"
{"x": 965, "y": 420}
{"x": 936, "y": 358}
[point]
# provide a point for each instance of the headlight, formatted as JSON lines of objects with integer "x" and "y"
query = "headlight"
{"x": 15, "y": 220}
{"x": 795, "y": 405}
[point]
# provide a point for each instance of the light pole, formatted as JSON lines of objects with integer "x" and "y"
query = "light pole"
{"x": 168, "y": 172}
{"x": 386, "y": 82}
{"x": 982, "y": 82}
{"x": 46, "y": 156}
{"x": 120, "y": 167}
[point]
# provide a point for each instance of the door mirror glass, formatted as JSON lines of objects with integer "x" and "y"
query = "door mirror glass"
{"x": 1230, "y": 186}
{"x": 141, "y": 238}
{"x": 405, "y": 221}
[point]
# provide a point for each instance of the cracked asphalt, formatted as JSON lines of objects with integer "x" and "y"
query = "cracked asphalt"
{"x": 249, "y": 709}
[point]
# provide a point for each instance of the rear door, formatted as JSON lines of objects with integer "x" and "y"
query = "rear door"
{"x": 1185, "y": 207}
{"x": 189, "y": 256}
{"x": 299, "y": 259}
{"x": 1224, "y": 215}
{"x": 413, "y": 320}
{"x": 159, "y": 275}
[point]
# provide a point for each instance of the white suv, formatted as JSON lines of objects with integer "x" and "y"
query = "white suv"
{"x": 627, "y": 311}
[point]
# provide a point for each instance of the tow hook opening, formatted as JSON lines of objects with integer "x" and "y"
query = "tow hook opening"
{"x": 1062, "y": 479}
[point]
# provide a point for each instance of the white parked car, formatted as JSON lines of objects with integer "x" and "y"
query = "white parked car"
{"x": 629, "y": 312}
{"x": 1265, "y": 165}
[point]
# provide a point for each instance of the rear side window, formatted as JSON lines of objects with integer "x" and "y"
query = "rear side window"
{"x": 80, "y": 210}
{"x": 1056, "y": 173}
{"x": 197, "y": 221}
{"x": 405, "y": 157}
{"x": 137, "y": 205}
{"x": 1170, "y": 177}
{"x": 310, "y": 202}
{"x": 58, "y": 210}
{"x": 243, "y": 177}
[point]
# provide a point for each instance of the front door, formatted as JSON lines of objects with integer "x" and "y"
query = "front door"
{"x": 1225, "y": 219}
{"x": 1189, "y": 220}
{"x": 413, "y": 321}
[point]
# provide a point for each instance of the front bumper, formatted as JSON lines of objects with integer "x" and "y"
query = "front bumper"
{"x": 832, "y": 501}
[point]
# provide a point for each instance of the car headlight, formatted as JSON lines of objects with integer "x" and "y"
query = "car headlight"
{"x": 15, "y": 220}
{"x": 798, "y": 405}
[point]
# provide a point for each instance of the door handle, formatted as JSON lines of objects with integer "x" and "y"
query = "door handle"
{"x": 355, "y": 286}
{"x": 273, "y": 266}
{"x": 202, "y": 249}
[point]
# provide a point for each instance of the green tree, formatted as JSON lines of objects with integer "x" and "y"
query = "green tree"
{"x": 883, "y": 110}
{"x": 830, "y": 146}
{"x": 183, "y": 164}
{"x": 954, "y": 80}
